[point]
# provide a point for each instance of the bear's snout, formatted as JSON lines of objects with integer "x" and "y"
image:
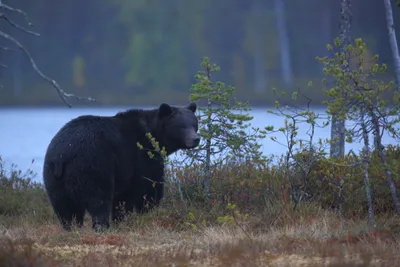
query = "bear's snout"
{"x": 192, "y": 140}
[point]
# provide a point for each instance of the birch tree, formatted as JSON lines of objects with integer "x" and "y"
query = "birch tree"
{"x": 393, "y": 40}
{"x": 284, "y": 42}
{"x": 258, "y": 51}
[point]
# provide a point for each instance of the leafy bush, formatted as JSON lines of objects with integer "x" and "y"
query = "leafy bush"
{"x": 20, "y": 196}
{"x": 256, "y": 189}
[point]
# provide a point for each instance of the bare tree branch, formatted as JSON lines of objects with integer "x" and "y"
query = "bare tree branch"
{"x": 3, "y": 16}
{"x": 15, "y": 10}
{"x": 63, "y": 95}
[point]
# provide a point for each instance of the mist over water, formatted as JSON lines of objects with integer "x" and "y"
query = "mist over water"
{"x": 26, "y": 132}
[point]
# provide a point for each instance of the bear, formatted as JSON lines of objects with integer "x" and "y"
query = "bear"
{"x": 94, "y": 164}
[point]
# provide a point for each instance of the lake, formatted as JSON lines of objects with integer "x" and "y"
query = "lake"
{"x": 26, "y": 132}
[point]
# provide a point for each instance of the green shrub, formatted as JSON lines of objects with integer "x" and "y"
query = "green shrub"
{"x": 20, "y": 196}
{"x": 255, "y": 189}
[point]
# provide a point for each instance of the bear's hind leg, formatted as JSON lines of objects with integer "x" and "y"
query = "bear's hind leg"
{"x": 79, "y": 215}
{"x": 96, "y": 193}
{"x": 100, "y": 211}
{"x": 65, "y": 218}
{"x": 65, "y": 210}
{"x": 99, "y": 206}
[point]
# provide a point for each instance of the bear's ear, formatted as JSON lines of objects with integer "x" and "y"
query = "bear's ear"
{"x": 192, "y": 107}
{"x": 164, "y": 110}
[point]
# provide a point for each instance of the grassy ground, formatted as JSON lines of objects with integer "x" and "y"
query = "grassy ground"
{"x": 249, "y": 220}
{"x": 288, "y": 240}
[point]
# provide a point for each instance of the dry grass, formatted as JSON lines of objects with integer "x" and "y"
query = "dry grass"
{"x": 315, "y": 241}
{"x": 261, "y": 228}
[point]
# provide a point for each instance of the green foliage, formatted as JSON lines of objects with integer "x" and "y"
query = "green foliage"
{"x": 20, "y": 196}
{"x": 327, "y": 175}
{"x": 191, "y": 219}
{"x": 238, "y": 192}
{"x": 301, "y": 154}
{"x": 293, "y": 117}
{"x": 354, "y": 87}
{"x": 223, "y": 121}
{"x": 358, "y": 96}
{"x": 234, "y": 218}
{"x": 156, "y": 147}
{"x": 155, "y": 44}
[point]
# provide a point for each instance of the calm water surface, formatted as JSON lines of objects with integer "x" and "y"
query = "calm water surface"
{"x": 26, "y": 132}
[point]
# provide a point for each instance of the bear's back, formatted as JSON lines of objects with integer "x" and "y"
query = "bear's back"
{"x": 86, "y": 134}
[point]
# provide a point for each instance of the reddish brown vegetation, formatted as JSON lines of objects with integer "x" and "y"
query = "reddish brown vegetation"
{"x": 112, "y": 240}
{"x": 370, "y": 237}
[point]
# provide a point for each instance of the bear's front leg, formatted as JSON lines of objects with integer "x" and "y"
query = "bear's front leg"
{"x": 152, "y": 197}
{"x": 149, "y": 183}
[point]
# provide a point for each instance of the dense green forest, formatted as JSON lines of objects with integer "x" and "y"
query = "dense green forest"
{"x": 144, "y": 52}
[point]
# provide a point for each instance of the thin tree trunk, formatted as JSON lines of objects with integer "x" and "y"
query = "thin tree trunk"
{"x": 207, "y": 177}
{"x": 338, "y": 125}
{"x": 366, "y": 173}
{"x": 337, "y": 137}
{"x": 388, "y": 173}
{"x": 393, "y": 40}
{"x": 260, "y": 76}
{"x": 284, "y": 42}
{"x": 259, "y": 70}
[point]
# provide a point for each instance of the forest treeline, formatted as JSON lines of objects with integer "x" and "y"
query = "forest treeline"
{"x": 144, "y": 52}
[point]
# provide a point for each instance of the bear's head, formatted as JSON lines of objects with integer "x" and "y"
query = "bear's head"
{"x": 178, "y": 126}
